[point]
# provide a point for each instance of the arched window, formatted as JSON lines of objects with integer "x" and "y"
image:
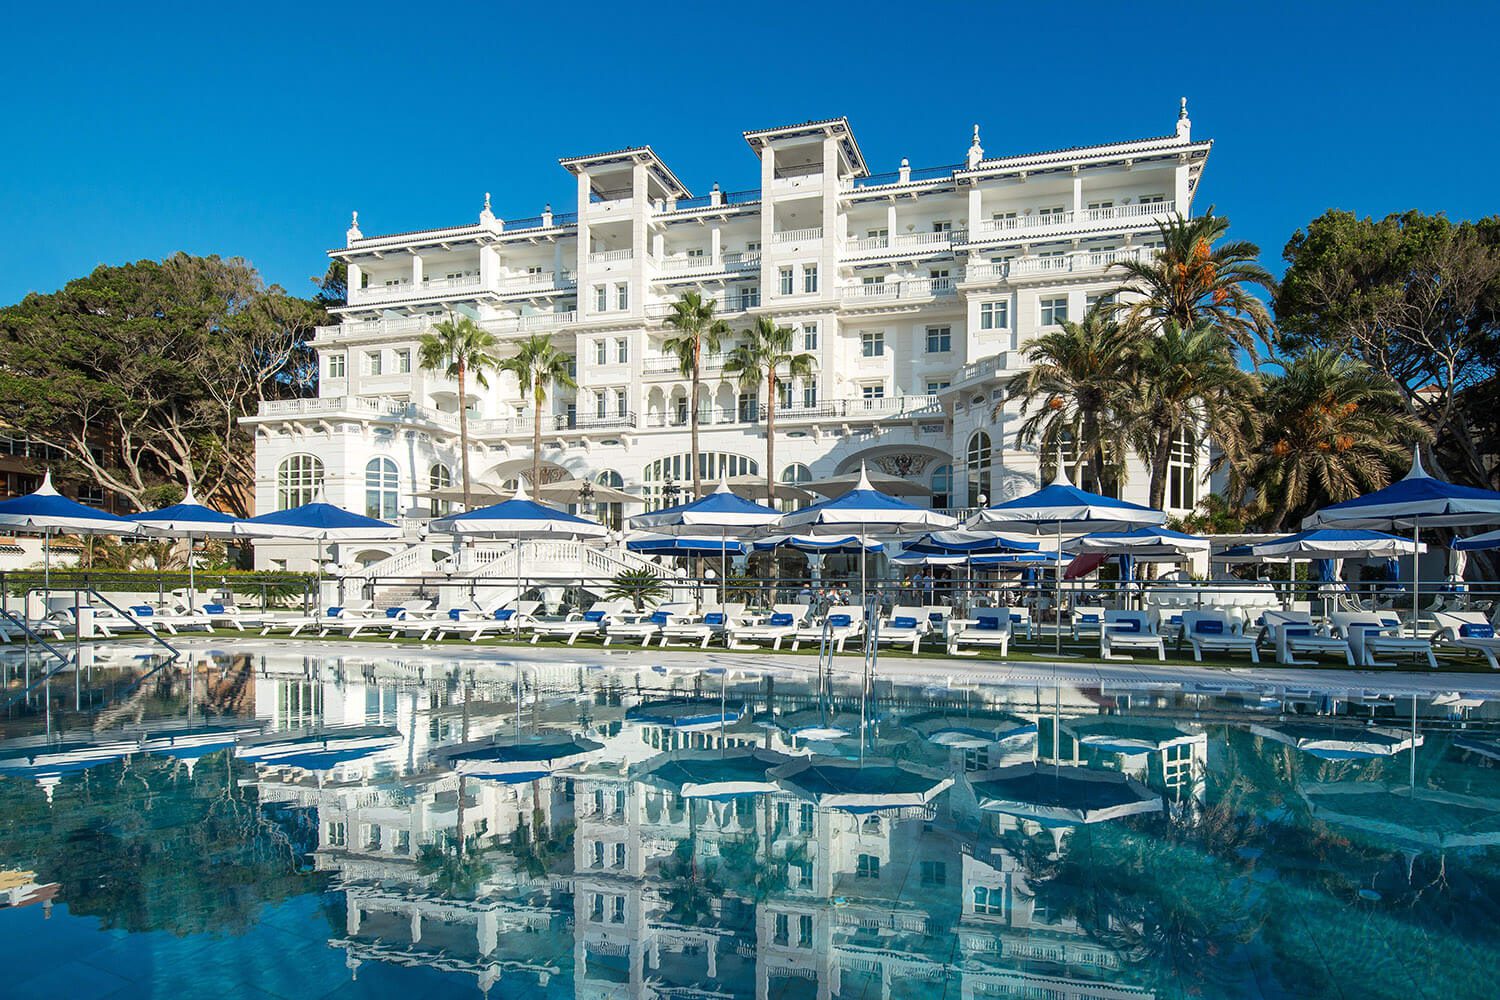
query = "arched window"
{"x": 1182, "y": 472}
{"x": 795, "y": 475}
{"x": 439, "y": 478}
{"x": 676, "y": 470}
{"x": 942, "y": 487}
{"x": 298, "y": 480}
{"x": 611, "y": 515}
{"x": 382, "y": 488}
{"x": 979, "y": 459}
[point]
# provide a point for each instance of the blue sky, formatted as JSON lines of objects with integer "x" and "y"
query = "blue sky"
{"x": 135, "y": 134}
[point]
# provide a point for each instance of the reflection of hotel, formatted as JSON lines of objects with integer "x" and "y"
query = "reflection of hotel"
{"x": 915, "y": 291}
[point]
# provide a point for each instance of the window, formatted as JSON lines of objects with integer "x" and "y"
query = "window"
{"x": 749, "y": 296}
{"x": 810, "y": 393}
{"x": 1054, "y": 311}
{"x": 944, "y": 226}
{"x": 1051, "y": 215}
{"x": 809, "y": 336}
{"x": 1151, "y": 199}
{"x": 935, "y": 386}
{"x": 612, "y": 515}
{"x": 939, "y": 339}
{"x": 994, "y": 316}
{"x": 403, "y": 361}
{"x": 877, "y": 234}
{"x": 1182, "y": 472}
{"x": 783, "y": 929}
{"x": 598, "y": 854}
{"x": 696, "y": 252}
{"x": 601, "y": 404}
{"x": 678, "y": 469}
{"x": 619, "y": 855}
{"x": 601, "y": 352}
{"x": 809, "y": 278}
{"x": 783, "y": 809}
{"x": 873, "y": 279}
{"x": 620, "y": 409}
{"x": 872, "y": 391}
{"x": 989, "y": 901}
{"x": 596, "y": 911}
{"x": 382, "y": 488}
{"x": 784, "y": 395}
{"x": 336, "y": 366}
{"x": 867, "y": 866}
{"x": 1005, "y": 220}
{"x": 872, "y": 343}
{"x": 784, "y": 279}
{"x": 622, "y": 350}
{"x": 534, "y": 269}
{"x": 1100, "y": 209}
{"x": 934, "y": 872}
{"x": 439, "y": 478}
{"x": 601, "y": 298}
{"x": 372, "y": 362}
{"x": 805, "y": 818}
{"x": 942, "y": 486}
{"x": 403, "y": 842}
{"x": 337, "y": 834}
{"x": 804, "y": 930}
{"x": 753, "y": 246}
{"x": 622, "y": 297}
{"x": 976, "y": 758}
{"x": 979, "y": 468}
{"x": 298, "y": 480}
{"x": 749, "y": 405}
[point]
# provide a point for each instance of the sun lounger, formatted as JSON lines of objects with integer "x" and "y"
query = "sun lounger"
{"x": 782, "y": 623}
{"x": 1128, "y": 630}
{"x": 1020, "y": 619}
{"x": 1086, "y": 620}
{"x": 475, "y": 626}
{"x": 644, "y": 626}
{"x": 1217, "y": 632}
{"x": 1293, "y": 633}
{"x": 223, "y": 613}
{"x": 990, "y": 627}
{"x": 295, "y": 624}
{"x": 376, "y": 619}
{"x": 1470, "y": 631}
{"x": 905, "y": 627}
{"x": 1372, "y": 634}
{"x": 591, "y": 622}
{"x": 715, "y": 622}
{"x": 843, "y": 621}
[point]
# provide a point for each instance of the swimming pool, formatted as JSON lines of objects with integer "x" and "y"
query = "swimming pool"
{"x": 276, "y": 822}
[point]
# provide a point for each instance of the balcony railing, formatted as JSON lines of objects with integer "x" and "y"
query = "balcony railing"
{"x": 897, "y": 290}
{"x": 690, "y": 262}
{"x": 610, "y": 256}
{"x": 364, "y": 406}
{"x": 1067, "y": 263}
{"x": 435, "y": 287}
{"x": 539, "y": 280}
{"x": 669, "y": 365}
{"x": 535, "y": 321}
{"x": 1093, "y": 217}
{"x": 915, "y": 242}
{"x": 588, "y": 421}
{"x": 742, "y": 260}
{"x": 797, "y": 235}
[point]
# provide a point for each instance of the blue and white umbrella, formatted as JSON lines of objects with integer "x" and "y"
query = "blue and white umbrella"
{"x": 1414, "y": 501}
{"x": 1336, "y": 543}
{"x": 322, "y": 522}
{"x": 188, "y": 519}
{"x": 651, "y": 544}
{"x": 1148, "y": 544}
{"x": 50, "y": 513}
{"x": 722, "y": 511}
{"x": 1062, "y": 506}
{"x": 821, "y": 544}
{"x": 966, "y": 543}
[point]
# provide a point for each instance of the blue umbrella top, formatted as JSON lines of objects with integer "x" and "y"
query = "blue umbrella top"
{"x": 721, "y": 509}
{"x": 960, "y": 543}
{"x": 1060, "y": 502}
{"x": 45, "y": 509}
{"x": 1416, "y": 499}
{"x": 670, "y": 545}
{"x": 866, "y": 507}
{"x": 820, "y": 543}
{"x": 319, "y": 520}
{"x": 187, "y": 518}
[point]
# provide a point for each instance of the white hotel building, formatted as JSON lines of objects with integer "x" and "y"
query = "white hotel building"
{"x": 915, "y": 290}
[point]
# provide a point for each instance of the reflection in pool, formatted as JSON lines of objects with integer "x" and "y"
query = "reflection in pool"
{"x": 346, "y": 827}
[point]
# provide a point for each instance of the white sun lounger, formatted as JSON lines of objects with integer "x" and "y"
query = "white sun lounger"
{"x": 376, "y": 619}
{"x": 715, "y": 622}
{"x": 221, "y": 613}
{"x": 1084, "y": 620}
{"x": 1293, "y": 632}
{"x": 644, "y": 626}
{"x": 1128, "y": 630}
{"x": 1372, "y": 634}
{"x": 782, "y": 623}
{"x": 591, "y": 622}
{"x": 989, "y": 627}
{"x": 501, "y": 621}
{"x": 905, "y": 627}
{"x": 1468, "y": 630}
{"x": 295, "y": 624}
{"x": 845, "y": 622}
{"x": 1217, "y": 632}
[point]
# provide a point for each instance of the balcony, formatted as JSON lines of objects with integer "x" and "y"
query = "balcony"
{"x": 787, "y": 236}
{"x": 531, "y": 323}
{"x": 912, "y": 243}
{"x": 360, "y": 407}
{"x": 669, "y": 365}
{"x": 688, "y": 263}
{"x": 434, "y": 288}
{"x": 1094, "y": 218}
{"x": 743, "y": 260}
{"x": 611, "y": 256}
{"x": 594, "y": 421}
{"x": 1044, "y": 266}
{"x": 914, "y": 406}
{"x": 539, "y": 281}
{"x": 903, "y": 290}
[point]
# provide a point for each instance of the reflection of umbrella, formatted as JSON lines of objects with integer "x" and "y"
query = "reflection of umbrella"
{"x": 715, "y": 775}
{"x": 516, "y": 763}
{"x": 1340, "y": 742}
{"x": 319, "y": 751}
{"x": 837, "y": 486}
{"x": 49, "y": 512}
{"x": 1129, "y": 736}
{"x": 1068, "y": 796}
{"x": 973, "y": 731}
{"x": 687, "y": 714}
{"x": 860, "y": 788}
{"x": 190, "y": 520}
{"x": 1424, "y": 818}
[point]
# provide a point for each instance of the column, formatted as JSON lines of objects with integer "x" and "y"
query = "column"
{"x": 767, "y": 218}
{"x": 416, "y": 270}
{"x": 1181, "y": 193}
{"x": 890, "y": 222}
{"x": 716, "y": 245}
{"x": 355, "y": 279}
{"x": 581, "y": 268}
{"x": 416, "y": 926}
{"x": 640, "y": 212}
{"x": 489, "y": 267}
{"x": 1077, "y": 195}
{"x": 976, "y": 211}
{"x": 351, "y": 916}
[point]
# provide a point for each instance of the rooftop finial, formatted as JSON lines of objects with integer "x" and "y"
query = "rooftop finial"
{"x": 976, "y": 151}
{"x": 1182, "y": 113}
{"x": 486, "y": 217}
{"x": 354, "y": 233}
{"x": 1184, "y": 125}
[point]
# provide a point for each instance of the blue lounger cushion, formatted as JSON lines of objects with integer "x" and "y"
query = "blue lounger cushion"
{"x": 988, "y": 623}
{"x": 213, "y": 609}
{"x": 1476, "y": 630}
{"x": 839, "y": 621}
{"x": 593, "y": 616}
{"x": 1088, "y": 619}
{"x": 335, "y": 612}
{"x": 1126, "y": 625}
{"x": 142, "y": 610}
{"x": 504, "y": 614}
{"x": 781, "y": 620}
{"x": 1208, "y": 627}
{"x": 1297, "y": 631}
{"x": 935, "y": 616}
{"x": 713, "y": 618}
{"x": 903, "y": 622}
{"x": 659, "y": 618}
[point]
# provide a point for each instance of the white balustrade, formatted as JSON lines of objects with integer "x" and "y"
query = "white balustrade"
{"x": 610, "y": 256}
{"x": 797, "y": 235}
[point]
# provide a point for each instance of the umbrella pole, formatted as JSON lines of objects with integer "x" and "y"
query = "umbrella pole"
{"x": 1416, "y": 590}
{"x": 1057, "y": 575}
{"x": 191, "y": 585}
{"x": 723, "y": 566}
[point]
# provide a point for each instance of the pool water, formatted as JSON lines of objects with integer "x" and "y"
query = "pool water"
{"x": 268, "y": 824}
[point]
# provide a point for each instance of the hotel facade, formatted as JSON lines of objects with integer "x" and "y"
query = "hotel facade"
{"x": 915, "y": 291}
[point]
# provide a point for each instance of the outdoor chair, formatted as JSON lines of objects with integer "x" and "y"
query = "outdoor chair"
{"x": 1129, "y": 630}
{"x": 905, "y": 626}
{"x": 1470, "y": 631}
{"x": 1373, "y": 634}
{"x": 781, "y": 624}
{"x": 591, "y": 622}
{"x": 375, "y": 619}
{"x": 1086, "y": 620}
{"x": 497, "y": 622}
{"x": 644, "y": 626}
{"x": 714, "y": 623}
{"x": 989, "y": 628}
{"x": 1293, "y": 632}
{"x": 844, "y": 622}
{"x": 1218, "y": 632}
{"x": 1020, "y": 619}
{"x": 296, "y": 623}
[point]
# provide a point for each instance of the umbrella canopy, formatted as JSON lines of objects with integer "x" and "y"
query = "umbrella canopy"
{"x": 684, "y": 545}
{"x": 1151, "y": 543}
{"x": 47, "y": 511}
{"x": 860, "y": 788}
{"x": 1341, "y": 742}
{"x": 583, "y": 491}
{"x": 837, "y": 486}
{"x": 519, "y": 762}
{"x": 1488, "y": 540}
{"x": 1336, "y": 543}
{"x": 1417, "y": 500}
{"x": 188, "y": 519}
{"x": 519, "y": 518}
{"x": 1062, "y": 503}
{"x": 820, "y": 544}
{"x": 754, "y": 488}
{"x": 963, "y": 543}
{"x": 721, "y": 511}
{"x": 321, "y": 521}
{"x": 1067, "y": 796}
{"x": 455, "y": 494}
{"x": 865, "y": 508}
{"x": 927, "y": 559}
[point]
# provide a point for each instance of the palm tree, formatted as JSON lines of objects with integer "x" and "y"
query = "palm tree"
{"x": 1190, "y": 280}
{"x": 1077, "y": 386}
{"x": 1333, "y": 429}
{"x": 537, "y": 365}
{"x": 1186, "y": 379}
{"x": 759, "y": 362}
{"x": 459, "y": 347}
{"x": 692, "y": 317}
